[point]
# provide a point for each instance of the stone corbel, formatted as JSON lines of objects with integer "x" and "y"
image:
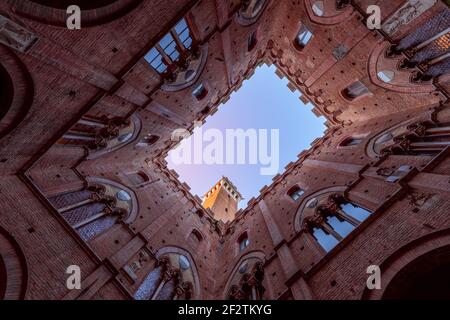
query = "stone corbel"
{"x": 418, "y": 129}
{"x": 98, "y": 143}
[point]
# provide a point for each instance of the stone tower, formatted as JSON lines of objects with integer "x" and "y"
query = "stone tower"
{"x": 223, "y": 200}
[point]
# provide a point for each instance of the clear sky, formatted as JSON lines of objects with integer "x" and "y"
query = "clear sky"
{"x": 263, "y": 102}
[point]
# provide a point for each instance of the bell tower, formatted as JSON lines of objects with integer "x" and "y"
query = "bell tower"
{"x": 223, "y": 199}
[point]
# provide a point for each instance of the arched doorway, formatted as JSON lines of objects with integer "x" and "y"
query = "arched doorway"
{"x": 425, "y": 278}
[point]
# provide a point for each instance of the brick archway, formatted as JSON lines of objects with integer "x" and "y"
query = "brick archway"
{"x": 426, "y": 277}
{"x": 94, "y": 12}
{"x": 16, "y": 91}
{"x": 417, "y": 271}
{"x": 84, "y": 4}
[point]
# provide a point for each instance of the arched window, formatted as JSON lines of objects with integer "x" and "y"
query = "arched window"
{"x": 147, "y": 141}
{"x": 178, "y": 58}
{"x": 243, "y": 241}
{"x": 427, "y": 43}
{"x": 318, "y": 8}
{"x": 200, "y": 92}
{"x": 386, "y": 75}
{"x": 195, "y": 238}
{"x": 138, "y": 178}
{"x": 303, "y": 37}
{"x": 334, "y": 220}
{"x": 295, "y": 193}
{"x": 172, "y": 279}
{"x": 101, "y": 135}
{"x": 355, "y": 90}
{"x": 172, "y": 48}
{"x": 252, "y": 41}
{"x": 93, "y": 210}
{"x": 351, "y": 141}
{"x": 246, "y": 282}
{"x": 423, "y": 138}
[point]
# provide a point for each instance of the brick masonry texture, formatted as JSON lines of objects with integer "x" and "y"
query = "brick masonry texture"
{"x": 66, "y": 77}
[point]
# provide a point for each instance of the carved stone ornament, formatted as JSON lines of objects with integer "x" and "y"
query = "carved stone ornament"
{"x": 419, "y": 129}
{"x": 407, "y": 13}
{"x": 340, "y": 52}
{"x": 420, "y": 199}
{"x": 15, "y": 36}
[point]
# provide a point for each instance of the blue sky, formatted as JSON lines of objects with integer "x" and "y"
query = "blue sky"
{"x": 263, "y": 102}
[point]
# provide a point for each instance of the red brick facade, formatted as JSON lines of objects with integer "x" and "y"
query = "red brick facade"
{"x": 86, "y": 123}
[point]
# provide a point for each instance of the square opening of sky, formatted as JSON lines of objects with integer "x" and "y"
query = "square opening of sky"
{"x": 263, "y": 102}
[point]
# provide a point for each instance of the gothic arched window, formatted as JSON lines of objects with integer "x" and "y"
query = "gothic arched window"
{"x": 95, "y": 209}
{"x": 177, "y": 57}
{"x": 172, "y": 278}
{"x": 172, "y": 48}
{"x": 101, "y": 135}
{"x": 428, "y": 46}
{"x": 334, "y": 220}
{"x": 246, "y": 282}
{"x": 423, "y": 138}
